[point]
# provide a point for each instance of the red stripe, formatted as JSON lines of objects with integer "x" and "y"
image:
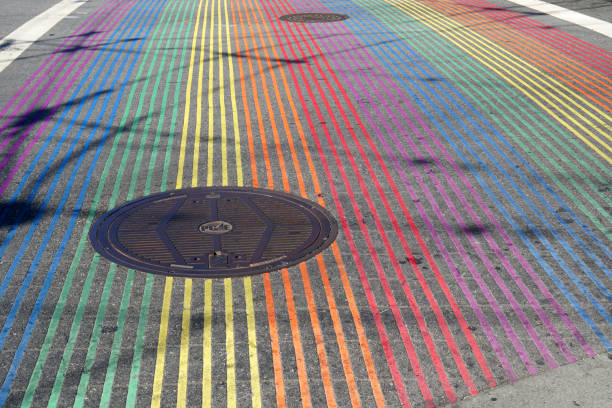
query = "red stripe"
{"x": 428, "y": 293}
{"x": 354, "y": 251}
{"x": 401, "y": 325}
{"x": 545, "y": 58}
{"x": 471, "y": 340}
{"x": 537, "y": 30}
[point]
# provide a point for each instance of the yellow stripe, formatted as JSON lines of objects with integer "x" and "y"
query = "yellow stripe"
{"x": 181, "y": 164}
{"x": 211, "y": 118}
{"x": 238, "y": 155}
{"x": 207, "y": 346}
{"x": 207, "y": 330}
{"x": 229, "y": 344}
{"x": 222, "y": 106}
{"x": 248, "y": 290}
{"x": 181, "y": 395}
{"x": 198, "y": 129}
{"x": 229, "y": 313}
{"x": 450, "y": 29}
{"x": 163, "y": 324}
{"x": 161, "y": 346}
{"x": 250, "y": 312}
{"x": 186, "y": 318}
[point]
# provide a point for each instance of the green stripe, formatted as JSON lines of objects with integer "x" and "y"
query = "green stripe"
{"x": 139, "y": 345}
{"x": 114, "y": 357}
{"x": 91, "y": 350}
{"x": 49, "y": 337}
{"x": 132, "y": 387}
{"x": 116, "y": 347}
{"x": 442, "y": 47}
{"x": 57, "y": 387}
{"x": 94, "y": 339}
{"x": 59, "y": 379}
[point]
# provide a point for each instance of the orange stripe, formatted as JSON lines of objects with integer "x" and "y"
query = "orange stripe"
{"x": 325, "y": 373}
{"x": 262, "y": 132}
{"x": 316, "y": 328}
{"x": 245, "y": 103}
{"x": 297, "y": 343}
{"x": 346, "y": 363}
{"x": 489, "y": 27}
{"x": 365, "y": 350}
{"x": 271, "y": 115}
{"x": 353, "y": 390}
{"x": 276, "y": 356}
{"x": 363, "y": 340}
{"x": 344, "y": 355}
{"x": 293, "y": 320}
{"x": 273, "y": 329}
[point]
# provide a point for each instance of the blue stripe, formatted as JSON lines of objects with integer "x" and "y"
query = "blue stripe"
{"x": 57, "y": 177}
{"x": 522, "y": 176}
{"x": 42, "y": 150}
{"x": 4, "y": 391}
{"x": 401, "y": 78}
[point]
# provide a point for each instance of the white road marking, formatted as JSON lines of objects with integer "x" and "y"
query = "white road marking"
{"x": 19, "y": 40}
{"x": 592, "y": 23}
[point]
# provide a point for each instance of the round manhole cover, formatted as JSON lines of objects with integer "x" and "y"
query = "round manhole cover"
{"x": 314, "y": 17}
{"x": 213, "y": 232}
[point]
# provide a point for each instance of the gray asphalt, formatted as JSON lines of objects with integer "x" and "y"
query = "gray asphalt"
{"x": 96, "y": 339}
{"x": 14, "y": 13}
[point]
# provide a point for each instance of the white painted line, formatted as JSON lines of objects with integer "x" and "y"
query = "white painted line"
{"x": 19, "y": 40}
{"x": 592, "y": 23}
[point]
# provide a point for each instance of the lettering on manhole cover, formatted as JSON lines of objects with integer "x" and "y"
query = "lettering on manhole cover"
{"x": 314, "y": 17}
{"x": 213, "y": 232}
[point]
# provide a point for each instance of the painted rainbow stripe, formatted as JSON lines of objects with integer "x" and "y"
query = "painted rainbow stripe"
{"x": 460, "y": 264}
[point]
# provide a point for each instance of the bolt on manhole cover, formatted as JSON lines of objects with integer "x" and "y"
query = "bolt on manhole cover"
{"x": 314, "y": 17}
{"x": 213, "y": 232}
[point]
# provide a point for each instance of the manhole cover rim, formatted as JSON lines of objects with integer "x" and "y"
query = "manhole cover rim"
{"x": 314, "y": 17}
{"x": 99, "y": 238}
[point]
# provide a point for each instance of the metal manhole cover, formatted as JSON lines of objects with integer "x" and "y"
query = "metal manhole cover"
{"x": 314, "y": 17}
{"x": 213, "y": 232}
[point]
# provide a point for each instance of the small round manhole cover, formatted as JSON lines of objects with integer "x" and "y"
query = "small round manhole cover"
{"x": 213, "y": 232}
{"x": 314, "y": 17}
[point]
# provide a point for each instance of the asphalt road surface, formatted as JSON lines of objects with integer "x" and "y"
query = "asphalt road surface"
{"x": 463, "y": 146}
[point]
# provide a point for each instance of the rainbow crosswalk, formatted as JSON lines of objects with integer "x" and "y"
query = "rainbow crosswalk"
{"x": 464, "y": 149}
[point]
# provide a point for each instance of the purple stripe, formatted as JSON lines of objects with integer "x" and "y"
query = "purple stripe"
{"x": 513, "y": 273}
{"x": 473, "y": 303}
{"x": 541, "y": 347}
{"x": 68, "y": 72}
{"x": 40, "y": 94}
{"x": 56, "y": 53}
{"x": 541, "y": 286}
{"x": 508, "y": 242}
